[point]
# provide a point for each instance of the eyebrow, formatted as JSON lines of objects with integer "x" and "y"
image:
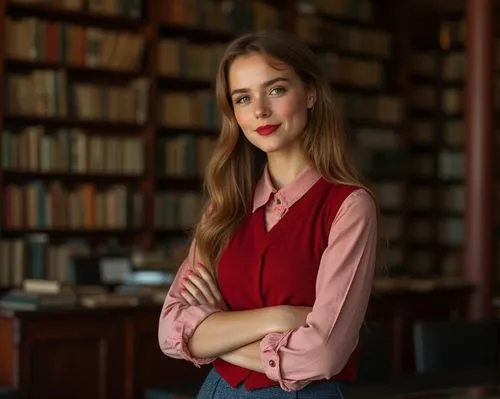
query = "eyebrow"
{"x": 265, "y": 84}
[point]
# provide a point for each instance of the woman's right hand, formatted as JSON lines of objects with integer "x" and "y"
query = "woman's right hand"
{"x": 200, "y": 288}
{"x": 288, "y": 317}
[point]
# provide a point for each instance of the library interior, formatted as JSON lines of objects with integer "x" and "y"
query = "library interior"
{"x": 97, "y": 214}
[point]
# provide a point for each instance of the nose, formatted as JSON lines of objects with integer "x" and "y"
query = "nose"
{"x": 261, "y": 108}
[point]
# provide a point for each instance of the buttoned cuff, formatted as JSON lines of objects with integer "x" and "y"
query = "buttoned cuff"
{"x": 269, "y": 347}
{"x": 184, "y": 328}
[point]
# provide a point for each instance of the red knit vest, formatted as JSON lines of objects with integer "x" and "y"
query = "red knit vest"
{"x": 260, "y": 269}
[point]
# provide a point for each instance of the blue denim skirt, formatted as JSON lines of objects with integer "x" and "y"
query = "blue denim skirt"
{"x": 215, "y": 387}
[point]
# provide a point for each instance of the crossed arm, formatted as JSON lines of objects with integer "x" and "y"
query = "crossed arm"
{"x": 234, "y": 336}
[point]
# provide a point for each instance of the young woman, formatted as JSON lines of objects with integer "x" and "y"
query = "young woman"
{"x": 279, "y": 274}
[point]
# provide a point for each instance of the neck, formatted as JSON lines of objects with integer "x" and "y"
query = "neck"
{"x": 284, "y": 169}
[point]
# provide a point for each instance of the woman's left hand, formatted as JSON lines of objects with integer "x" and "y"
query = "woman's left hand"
{"x": 200, "y": 288}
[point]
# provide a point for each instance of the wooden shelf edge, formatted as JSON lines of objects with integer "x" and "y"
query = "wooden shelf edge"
{"x": 185, "y": 83}
{"x": 70, "y": 122}
{"x": 71, "y": 68}
{"x": 87, "y": 176}
{"x": 177, "y": 130}
{"x": 70, "y": 232}
{"x": 201, "y": 33}
{"x": 179, "y": 183}
{"x": 331, "y": 48}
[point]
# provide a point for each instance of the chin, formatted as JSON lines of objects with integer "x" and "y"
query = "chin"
{"x": 269, "y": 147}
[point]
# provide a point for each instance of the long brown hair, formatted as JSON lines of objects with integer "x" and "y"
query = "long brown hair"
{"x": 231, "y": 175}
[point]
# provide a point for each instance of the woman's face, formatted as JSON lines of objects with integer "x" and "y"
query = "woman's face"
{"x": 270, "y": 102}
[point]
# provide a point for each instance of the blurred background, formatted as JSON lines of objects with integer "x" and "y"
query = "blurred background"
{"x": 107, "y": 122}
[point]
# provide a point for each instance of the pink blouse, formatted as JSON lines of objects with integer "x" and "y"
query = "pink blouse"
{"x": 343, "y": 288}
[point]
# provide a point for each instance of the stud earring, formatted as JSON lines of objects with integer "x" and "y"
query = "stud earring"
{"x": 311, "y": 107}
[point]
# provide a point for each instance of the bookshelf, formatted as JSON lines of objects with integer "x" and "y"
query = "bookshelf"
{"x": 452, "y": 156}
{"x": 110, "y": 118}
{"x": 438, "y": 148}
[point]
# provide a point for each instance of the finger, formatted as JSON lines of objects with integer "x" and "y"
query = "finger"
{"x": 188, "y": 297}
{"x": 195, "y": 292}
{"x": 205, "y": 274}
{"x": 203, "y": 287}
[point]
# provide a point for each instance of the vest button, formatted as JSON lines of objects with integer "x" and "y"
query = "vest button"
{"x": 272, "y": 363}
{"x": 278, "y": 201}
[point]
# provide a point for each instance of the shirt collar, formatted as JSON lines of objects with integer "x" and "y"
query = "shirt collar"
{"x": 290, "y": 193}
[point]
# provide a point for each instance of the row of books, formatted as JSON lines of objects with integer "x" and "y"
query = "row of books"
{"x": 48, "y": 93}
{"x": 426, "y": 132}
{"x": 451, "y": 101}
{"x": 352, "y": 71}
{"x": 422, "y": 263}
{"x": 40, "y": 205}
{"x": 34, "y": 256}
{"x": 390, "y": 194}
{"x": 40, "y": 149}
{"x": 177, "y": 210}
{"x": 449, "y": 164}
{"x": 188, "y": 109}
{"x": 315, "y": 30}
{"x": 381, "y": 162}
{"x": 234, "y": 16}
{"x": 39, "y": 40}
{"x": 448, "y": 66}
{"x": 126, "y": 8}
{"x": 449, "y": 233}
{"x": 449, "y": 198}
{"x": 184, "y": 156}
{"x": 356, "y": 9}
{"x": 38, "y": 256}
{"x": 385, "y": 108}
{"x": 179, "y": 57}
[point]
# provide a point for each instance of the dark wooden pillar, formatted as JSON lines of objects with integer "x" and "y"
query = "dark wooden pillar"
{"x": 480, "y": 145}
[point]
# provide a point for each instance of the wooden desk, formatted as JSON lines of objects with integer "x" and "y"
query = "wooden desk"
{"x": 82, "y": 353}
{"x": 114, "y": 353}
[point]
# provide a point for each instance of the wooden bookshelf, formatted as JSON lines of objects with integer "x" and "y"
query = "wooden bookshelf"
{"x": 438, "y": 146}
{"x": 372, "y": 106}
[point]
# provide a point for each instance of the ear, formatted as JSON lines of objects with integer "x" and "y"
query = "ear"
{"x": 311, "y": 97}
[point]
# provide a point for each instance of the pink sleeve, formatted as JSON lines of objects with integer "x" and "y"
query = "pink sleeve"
{"x": 321, "y": 348}
{"x": 178, "y": 319}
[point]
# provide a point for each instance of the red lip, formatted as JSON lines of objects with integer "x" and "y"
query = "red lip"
{"x": 266, "y": 130}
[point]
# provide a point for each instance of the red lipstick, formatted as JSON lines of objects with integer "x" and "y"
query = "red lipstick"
{"x": 266, "y": 130}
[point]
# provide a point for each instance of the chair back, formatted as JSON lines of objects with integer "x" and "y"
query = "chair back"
{"x": 456, "y": 345}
